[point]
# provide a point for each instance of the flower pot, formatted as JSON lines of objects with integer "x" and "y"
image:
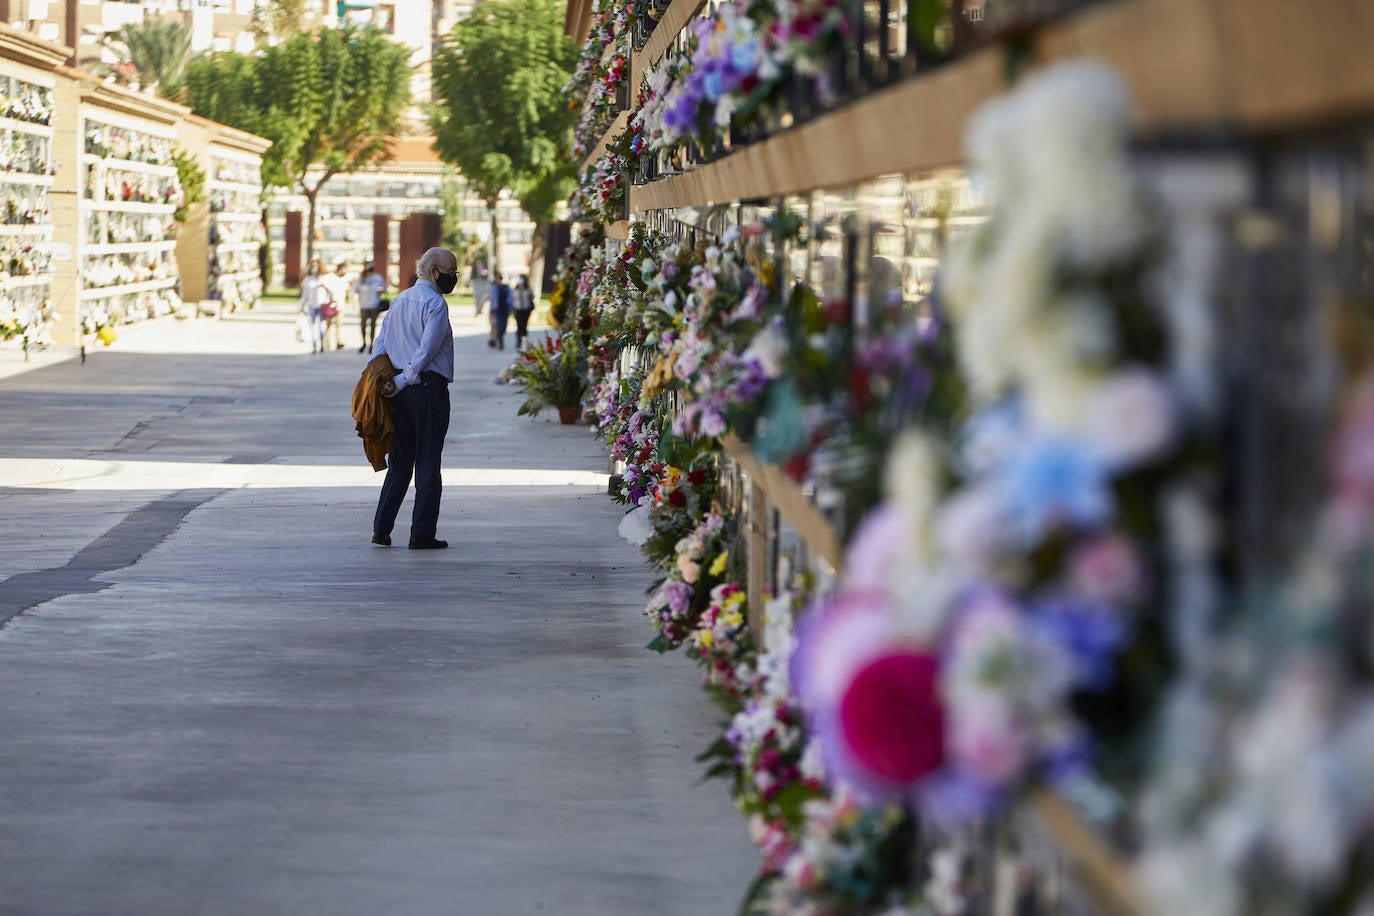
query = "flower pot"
{"x": 567, "y": 413}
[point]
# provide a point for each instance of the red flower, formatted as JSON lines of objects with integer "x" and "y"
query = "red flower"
{"x": 678, "y": 498}
{"x": 696, "y": 478}
{"x": 836, "y": 311}
{"x": 892, "y": 720}
{"x": 860, "y": 389}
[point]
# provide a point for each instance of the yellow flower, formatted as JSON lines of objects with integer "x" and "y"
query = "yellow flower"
{"x": 733, "y": 619}
{"x": 767, "y": 275}
{"x": 718, "y": 564}
{"x": 705, "y": 638}
{"x": 734, "y": 600}
{"x": 661, "y": 375}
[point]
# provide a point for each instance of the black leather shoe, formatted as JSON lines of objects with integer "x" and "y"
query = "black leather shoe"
{"x": 381, "y": 540}
{"x": 427, "y": 544}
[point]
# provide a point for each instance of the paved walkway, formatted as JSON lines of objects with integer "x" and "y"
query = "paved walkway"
{"x": 217, "y": 698}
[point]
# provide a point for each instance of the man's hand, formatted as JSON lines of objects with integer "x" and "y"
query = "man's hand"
{"x": 390, "y": 389}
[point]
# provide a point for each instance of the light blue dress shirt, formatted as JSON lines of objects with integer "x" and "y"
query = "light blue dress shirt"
{"x": 416, "y": 334}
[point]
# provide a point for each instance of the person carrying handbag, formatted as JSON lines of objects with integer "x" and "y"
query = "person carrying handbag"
{"x": 334, "y": 289}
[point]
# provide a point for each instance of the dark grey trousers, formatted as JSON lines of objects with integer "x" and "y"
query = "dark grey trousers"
{"x": 420, "y": 415}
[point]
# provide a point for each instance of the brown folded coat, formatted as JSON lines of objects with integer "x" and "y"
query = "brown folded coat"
{"x": 372, "y": 412}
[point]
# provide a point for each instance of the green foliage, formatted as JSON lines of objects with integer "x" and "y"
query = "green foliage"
{"x": 192, "y": 178}
{"x": 158, "y": 50}
{"x": 329, "y": 99}
{"x": 552, "y": 375}
{"x": 274, "y": 20}
{"x": 501, "y": 116}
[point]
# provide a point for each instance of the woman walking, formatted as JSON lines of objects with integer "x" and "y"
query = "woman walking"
{"x": 522, "y": 306}
{"x": 311, "y": 293}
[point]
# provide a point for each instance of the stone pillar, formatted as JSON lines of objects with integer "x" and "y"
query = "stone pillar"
{"x": 381, "y": 244}
{"x": 408, "y": 254}
{"x": 420, "y": 232}
{"x": 291, "y": 259}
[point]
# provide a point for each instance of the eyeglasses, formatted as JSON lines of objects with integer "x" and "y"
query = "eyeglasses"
{"x": 448, "y": 273}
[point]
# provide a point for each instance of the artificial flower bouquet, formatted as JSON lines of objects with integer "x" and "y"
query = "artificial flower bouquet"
{"x": 550, "y": 374}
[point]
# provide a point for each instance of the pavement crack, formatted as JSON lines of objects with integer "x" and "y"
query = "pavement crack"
{"x": 123, "y": 545}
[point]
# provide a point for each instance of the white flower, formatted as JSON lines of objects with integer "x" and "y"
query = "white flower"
{"x": 1186, "y": 876}
{"x": 1131, "y": 418}
{"x": 973, "y": 526}
{"x": 636, "y": 526}
{"x": 769, "y": 347}
{"x": 911, "y": 480}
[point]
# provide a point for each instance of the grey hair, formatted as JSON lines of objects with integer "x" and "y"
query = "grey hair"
{"x": 430, "y": 259}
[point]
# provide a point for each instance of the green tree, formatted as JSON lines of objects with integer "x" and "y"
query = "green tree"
{"x": 192, "y": 178}
{"x": 156, "y": 50}
{"x": 328, "y": 101}
{"x": 276, "y": 20}
{"x": 502, "y": 118}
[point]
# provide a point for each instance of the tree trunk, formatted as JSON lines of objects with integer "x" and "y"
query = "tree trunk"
{"x": 494, "y": 249}
{"x": 310, "y": 226}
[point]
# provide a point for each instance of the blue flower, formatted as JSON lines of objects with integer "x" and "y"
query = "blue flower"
{"x": 1054, "y": 482}
{"x": 712, "y": 86}
{"x": 1089, "y": 633}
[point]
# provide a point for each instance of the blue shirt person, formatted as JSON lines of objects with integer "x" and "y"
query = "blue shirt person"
{"x": 418, "y": 339}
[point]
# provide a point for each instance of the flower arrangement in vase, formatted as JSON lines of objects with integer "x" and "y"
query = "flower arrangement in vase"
{"x": 551, "y": 376}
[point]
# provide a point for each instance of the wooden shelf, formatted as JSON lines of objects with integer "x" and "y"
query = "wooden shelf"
{"x": 1245, "y": 66}
{"x": 241, "y": 187}
{"x": 788, "y": 498}
{"x": 26, "y": 280}
{"x": 674, "y": 20}
{"x": 113, "y": 163}
{"x": 27, "y": 127}
{"x": 1094, "y": 863}
{"x": 128, "y": 206}
{"x": 128, "y": 289}
{"x": 128, "y": 247}
{"x": 27, "y": 179}
{"x": 38, "y": 229}
{"x": 621, "y": 121}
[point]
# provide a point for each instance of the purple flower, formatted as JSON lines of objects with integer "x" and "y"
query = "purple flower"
{"x": 953, "y": 798}
{"x": 1089, "y": 633}
{"x": 679, "y": 597}
{"x": 751, "y": 382}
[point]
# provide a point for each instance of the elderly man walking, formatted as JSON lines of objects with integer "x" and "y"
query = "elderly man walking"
{"x": 418, "y": 339}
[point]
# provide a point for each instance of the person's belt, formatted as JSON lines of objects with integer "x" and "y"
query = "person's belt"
{"x": 432, "y": 378}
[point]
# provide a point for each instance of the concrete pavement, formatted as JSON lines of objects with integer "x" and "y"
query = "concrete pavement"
{"x": 217, "y": 698}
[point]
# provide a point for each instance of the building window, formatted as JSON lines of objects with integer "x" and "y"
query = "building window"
{"x": 385, "y": 18}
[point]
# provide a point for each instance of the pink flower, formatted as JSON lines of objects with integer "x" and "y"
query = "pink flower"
{"x": 1108, "y": 569}
{"x": 882, "y": 541}
{"x": 688, "y": 568}
{"x": 891, "y": 718}
{"x": 984, "y": 738}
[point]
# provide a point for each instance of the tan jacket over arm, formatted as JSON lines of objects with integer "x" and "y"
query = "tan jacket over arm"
{"x": 372, "y": 412}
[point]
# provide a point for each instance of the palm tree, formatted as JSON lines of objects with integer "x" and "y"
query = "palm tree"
{"x": 154, "y": 53}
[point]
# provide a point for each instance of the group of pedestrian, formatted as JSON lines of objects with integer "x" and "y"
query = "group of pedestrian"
{"x": 504, "y": 303}
{"x": 324, "y": 297}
